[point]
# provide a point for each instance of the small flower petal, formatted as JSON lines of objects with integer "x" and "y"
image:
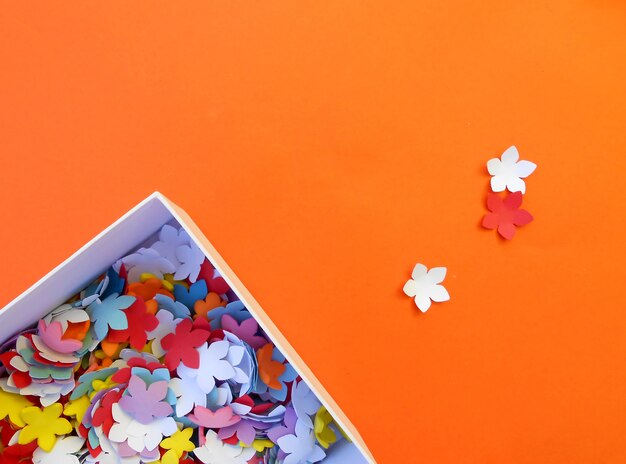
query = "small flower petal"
{"x": 525, "y": 168}
{"x": 510, "y": 155}
{"x": 438, "y": 294}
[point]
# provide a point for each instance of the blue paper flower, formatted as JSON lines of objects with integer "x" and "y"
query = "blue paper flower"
{"x": 109, "y": 313}
{"x": 188, "y": 297}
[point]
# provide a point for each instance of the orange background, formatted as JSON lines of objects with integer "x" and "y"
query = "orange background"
{"x": 325, "y": 148}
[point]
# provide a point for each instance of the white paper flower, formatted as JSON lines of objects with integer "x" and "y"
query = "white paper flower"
{"x": 188, "y": 394}
{"x": 304, "y": 402}
{"x": 139, "y": 436}
{"x": 170, "y": 239}
{"x": 301, "y": 447}
{"x": 147, "y": 260}
{"x": 424, "y": 286}
{"x": 191, "y": 258}
{"x": 215, "y": 451}
{"x": 213, "y": 365}
{"x": 508, "y": 172}
{"x": 63, "y": 452}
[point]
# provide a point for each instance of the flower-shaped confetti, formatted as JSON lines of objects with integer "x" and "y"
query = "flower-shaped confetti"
{"x": 177, "y": 446}
{"x": 43, "y": 425}
{"x": 425, "y": 285}
{"x": 215, "y": 451}
{"x": 156, "y": 361}
{"x": 65, "y": 451}
{"x": 508, "y": 171}
{"x": 505, "y": 214}
{"x": 181, "y": 345}
{"x": 301, "y": 446}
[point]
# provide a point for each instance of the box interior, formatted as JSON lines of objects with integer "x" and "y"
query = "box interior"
{"x": 137, "y": 227}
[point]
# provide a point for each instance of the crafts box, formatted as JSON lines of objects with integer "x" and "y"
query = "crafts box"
{"x": 128, "y": 234}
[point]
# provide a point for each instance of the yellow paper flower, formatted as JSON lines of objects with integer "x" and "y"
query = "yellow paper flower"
{"x": 177, "y": 445}
{"x": 169, "y": 278}
{"x": 259, "y": 444}
{"x": 12, "y": 404}
{"x": 324, "y": 434}
{"x": 99, "y": 385}
{"x": 167, "y": 282}
{"x": 44, "y": 426}
{"x": 77, "y": 408}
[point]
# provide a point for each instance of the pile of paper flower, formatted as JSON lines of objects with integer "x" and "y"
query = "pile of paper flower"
{"x": 156, "y": 362}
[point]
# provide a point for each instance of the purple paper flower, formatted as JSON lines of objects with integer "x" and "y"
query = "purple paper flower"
{"x": 145, "y": 403}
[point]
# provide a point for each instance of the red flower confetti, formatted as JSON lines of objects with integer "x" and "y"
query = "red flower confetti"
{"x": 139, "y": 323}
{"x": 103, "y": 417}
{"x": 181, "y": 345}
{"x": 505, "y": 214}
{"x": 214, "y": 282}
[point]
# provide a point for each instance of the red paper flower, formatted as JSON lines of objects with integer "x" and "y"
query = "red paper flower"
{"x": 505, "y": 214}
{"x": 139, "y": 323}
{"x": 103, "y": 417}
{"x": 16, "y": 453}
{"x": 215, "y": 283}
{"x": 181, "y": 345}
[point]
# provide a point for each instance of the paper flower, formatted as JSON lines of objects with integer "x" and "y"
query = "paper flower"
{"x": 139, "y": 436}
{"x": 244, "y": 431}
{"x": 214, "y": 280}
{"x": 505, "y": 215}
{"x": 188, "y": 394}
{"x": 214, "y": 451}
{"x": 64, "y": 329}
{"x": 424, "y": 286}
{"x": 246, "y": 331}
{"x": 269, "y": 370}
{"x": 146, "y": 261}
{"x": 139, "y": 323}
{"x": 507, "y": 172}
{"x": 305, "y": 403}
{"x": 148, "y": 288}
{"x": 191, "y": 258}
{"x": 109, "y": 313}
{"x": 213, "y": 365}
{"x": 43, "y": 425}
{"x": 64, "y": 451}
{"x": 181, "y": 345}
{"x": 145, "y": 403}
{"x": 77, "y": 408}
{"x": 170, "y": 239}
{"x": 188, "y": 296}
{"x": 166, "y": 325}
{"x": 301, "y": 447}
{"x": 177, "y": 445}
{"x": 11, "y": 405}
{"x": 223, "y": 417}
{"x": 324, "y": 434}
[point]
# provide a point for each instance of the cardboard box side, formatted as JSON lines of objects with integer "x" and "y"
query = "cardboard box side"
{"x": 91, "y": 260}
{"x": 268, "y": 325}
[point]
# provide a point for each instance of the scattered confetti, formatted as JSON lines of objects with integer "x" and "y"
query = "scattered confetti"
{"x": 157, "y": 361}
{"x": 425, "y": 286}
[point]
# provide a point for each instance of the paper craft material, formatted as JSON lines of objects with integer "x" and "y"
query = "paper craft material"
{"x": 505, "y": 214}
{"x": 158, "y": 360}
{"x": 508, "y": 171}
{"x": 425, "y": 286}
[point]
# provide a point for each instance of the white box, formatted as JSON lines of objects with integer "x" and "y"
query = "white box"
{"x": 127, "y": 234}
